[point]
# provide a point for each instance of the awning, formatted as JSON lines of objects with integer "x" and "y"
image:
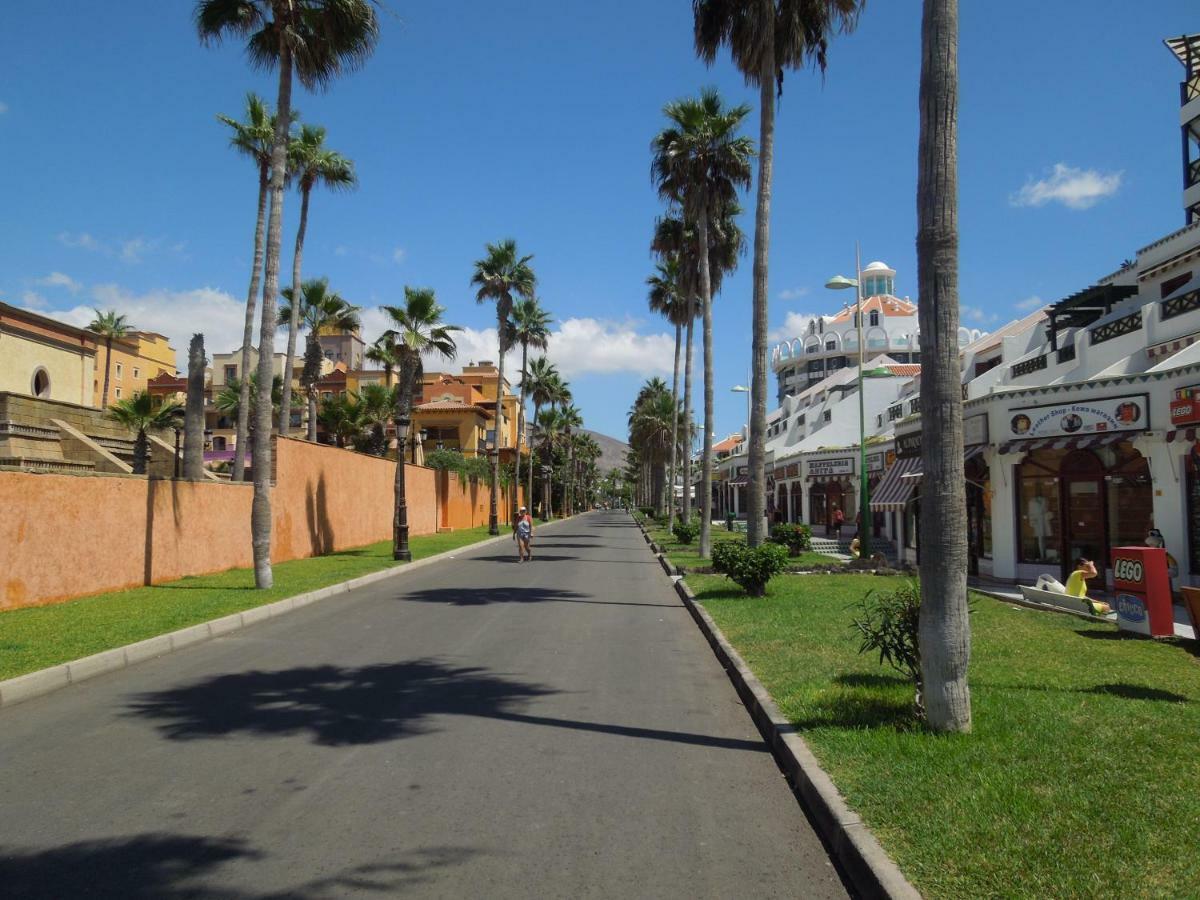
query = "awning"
{"x": 825, "y": 479}
{"x": 736, "y": 483}
{"x": 894, "y": 490}
{"x": 1077, "y": 442}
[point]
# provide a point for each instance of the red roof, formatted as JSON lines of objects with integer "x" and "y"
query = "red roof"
{"x": 889, "y": 306}
{"x": 453, "y": 406}
{"x": 908, "y": 370}
{"x": 728, "y": 444}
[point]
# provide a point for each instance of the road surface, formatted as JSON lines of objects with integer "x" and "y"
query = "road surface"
{"x": 476, "y": 728}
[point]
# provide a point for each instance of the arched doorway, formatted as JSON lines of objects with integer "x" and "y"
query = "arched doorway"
{"x": 1084, "y": 509}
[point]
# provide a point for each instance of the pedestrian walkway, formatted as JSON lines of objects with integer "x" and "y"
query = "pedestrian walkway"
{"x": 475, "y": 728}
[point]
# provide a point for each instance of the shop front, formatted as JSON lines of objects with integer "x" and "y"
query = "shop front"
{"x": 1081, "y": 487}
{"x": 830, "y": 491}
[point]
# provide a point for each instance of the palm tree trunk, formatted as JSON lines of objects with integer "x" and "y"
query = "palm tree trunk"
{"x": 141, "y": 452}
{"x": 704, "y": 500}
{"x": 260, "y": 513}
{"x": 569, "y": 482}
{"x": 548, "y": 486}
{"x": 493, "y": 511}
{"x": 193, "y": 432}
{"x": 687, "y": 413}
{"x": 756, "y": 513}
{"x": 537, "y": 408}
{"x": 107, "y": 370}
{"x": 674, "y": 431}
{"x": 521, "y": 432}
{"x": 945, "y": 628}
{"x": 242, "y": 436}
{"x": 285, "y": 407}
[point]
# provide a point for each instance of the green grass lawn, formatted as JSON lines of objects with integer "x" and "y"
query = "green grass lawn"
{"x": 688, "y": 555}
{"x": 42, "y": 636}
{"x": 1082, "y": 776}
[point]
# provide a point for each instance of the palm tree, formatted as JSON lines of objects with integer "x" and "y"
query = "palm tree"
{"x": 652, "y": 422}
{"x": 229, "y": 400}
{"x": 418, "y": 329}
{"x": 311, "y": 163}
{"x": 764, "y": 37}
{"x": 252, "y": 138}
{"x": 945, "y": 625}
{"x": 383, "y": 354}
{"x": 375, "y": 405}
{"x": 341, "y": 418}
{"x": 139, "y": 414}
{"x": 501, "y": 276}
{"x": 570, "y": 418}
{"x": 667, "y": 300}
{"x": 319, "y": 308}
{"x": 110, "y": 326}
{"x": 538, "y": 381}
{"x": 548, "y": 425}
{"x": 531, "y": 328}
{"x": 700, "y": 159}
{"x": 315, "y": 40}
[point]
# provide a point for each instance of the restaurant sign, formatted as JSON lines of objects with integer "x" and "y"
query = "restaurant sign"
{"x": 908, "y": 445}
{"x": 842, "y": 465}
{"x": 875, "y": 462}
{"x": 1128, "y": 413}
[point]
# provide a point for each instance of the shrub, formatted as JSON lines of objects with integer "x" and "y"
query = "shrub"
{"x": 686, "y": 532}
{"x": 889, "y": 623}
{"x": 647, "y": 511}
{"x": 751, "y": 568}
{"x": 797, "y": 538}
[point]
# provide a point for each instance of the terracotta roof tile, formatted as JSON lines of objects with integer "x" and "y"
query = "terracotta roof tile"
{"x": 889, "y": 306}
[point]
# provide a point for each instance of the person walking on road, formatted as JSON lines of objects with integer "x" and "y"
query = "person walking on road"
{"x": 523, "y": 533}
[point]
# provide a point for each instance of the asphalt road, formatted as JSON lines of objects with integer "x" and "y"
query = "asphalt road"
{"x": 477, "y": 728}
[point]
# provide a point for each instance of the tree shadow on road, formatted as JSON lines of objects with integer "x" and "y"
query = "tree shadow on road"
{"x": 483, "y": 596}
{"x": 334, "y": 705}
{"x": 157, "y": 866}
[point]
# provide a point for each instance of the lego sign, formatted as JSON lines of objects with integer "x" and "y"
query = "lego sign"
{"x": 1131, "y": 571}
{"x": 1129, "y": 413}
{"x": 1185, "y": 408}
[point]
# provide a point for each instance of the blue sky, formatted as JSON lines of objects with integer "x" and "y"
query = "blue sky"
{"x": 533, "y": 120}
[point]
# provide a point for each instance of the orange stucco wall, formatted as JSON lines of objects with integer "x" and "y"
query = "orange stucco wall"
{"x": 63, "y": 536}
{"x": 467, "y": 504}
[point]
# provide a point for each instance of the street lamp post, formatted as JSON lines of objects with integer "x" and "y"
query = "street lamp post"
{"x": 840, "y": 282}
{"x": 400, "y": 551}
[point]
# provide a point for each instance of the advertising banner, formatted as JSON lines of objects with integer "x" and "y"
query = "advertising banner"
{"x": 842, "y": 465}
{"x": 1128, "y": 413}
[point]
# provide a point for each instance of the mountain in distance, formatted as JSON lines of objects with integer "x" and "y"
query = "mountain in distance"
{"x": 612, "y": 451}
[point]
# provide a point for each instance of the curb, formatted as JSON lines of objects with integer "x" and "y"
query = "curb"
{"x": 47, "y": 681}
{"x": 871, "y": 871}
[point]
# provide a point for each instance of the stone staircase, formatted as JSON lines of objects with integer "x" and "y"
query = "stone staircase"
{"x": 834, "y": 547}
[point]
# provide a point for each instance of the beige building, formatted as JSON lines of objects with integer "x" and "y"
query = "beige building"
{"x": 136, "y": 358}
{"x": 42, "y": 357}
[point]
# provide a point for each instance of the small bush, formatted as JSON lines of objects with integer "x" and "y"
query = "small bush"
{"x": 686, "y": 532}
{"x": 751, "y": 568}
{"x": 796, "y": 537}
{"x": 647, "y": 511}
{"x": 889, "y": 623}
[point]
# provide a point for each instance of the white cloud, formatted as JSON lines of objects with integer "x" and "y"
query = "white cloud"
{"x": 399, "y": 255}
{"x": 134, "y": 250}
{"x": 1029, "y": 304}
{"x": 83, "y": 240}
{"x": 3, "y": 107}
{"x": 33, "y": 300}
{"x": 793, "y": 293}
{"x": 1074, "y": 188}
{"x": 977, "y": 315}
{"x": 177, "y": 314}
{"x": 579, "y": 346}
{"x": 58, "y": 279}
{"x": 795, "y": 325}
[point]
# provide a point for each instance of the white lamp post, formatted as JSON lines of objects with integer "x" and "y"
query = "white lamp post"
{"x": 841, "y": 282}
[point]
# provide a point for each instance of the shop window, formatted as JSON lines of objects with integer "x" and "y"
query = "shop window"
{"x": 1040, "y": 529}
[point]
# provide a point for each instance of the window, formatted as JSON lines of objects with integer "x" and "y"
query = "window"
{"x": 914, "y": 405}
{"x": 120, "y": 371}
{"x": 874, "y": 320}
{"x": 1038, "y": 510}
{"x": 40, "y": 384}
{"x": 829, "y": 345}
{"x": 895, "y": 412}
{"x": 118, "y": 393}
{"x": 137, "y": 373}
{"x": 230, "y": 373}
{"x": 326, "y": 395}
{"x": 828, "y": 417}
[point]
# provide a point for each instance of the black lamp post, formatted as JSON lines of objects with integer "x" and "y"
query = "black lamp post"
{"x": 400, "y": 551}
{"x": 545, "y": 493}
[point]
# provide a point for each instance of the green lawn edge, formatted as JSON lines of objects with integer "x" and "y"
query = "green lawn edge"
{"x": 42, "y": 636}
{"x": 1079, "y": 779}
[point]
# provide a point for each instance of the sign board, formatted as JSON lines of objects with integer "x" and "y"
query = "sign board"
{"x": 908, "y": 445}
{"x": 875, "y": 462}
{"x": 975, "y": 430}
{"x": 1128, "y": 413}
{"x": 842, "y": 465}
{"x": 1185, "y": 408}
{"x": 1131, "y": 613}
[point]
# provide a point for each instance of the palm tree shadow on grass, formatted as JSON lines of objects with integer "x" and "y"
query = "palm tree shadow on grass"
{"x": 334, "y": 705}
{"x": 157, "y": 866}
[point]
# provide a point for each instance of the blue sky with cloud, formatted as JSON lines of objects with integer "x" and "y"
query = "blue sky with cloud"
{"x": 534, "y": 120}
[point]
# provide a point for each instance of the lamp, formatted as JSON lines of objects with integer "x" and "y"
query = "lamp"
{"x": 400, "y": 550}
{"x": 840, "y": 283}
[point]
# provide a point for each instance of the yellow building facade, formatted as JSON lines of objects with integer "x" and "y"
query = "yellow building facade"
{"x": 136, "y": 358}
{"x": 42, "y": 357}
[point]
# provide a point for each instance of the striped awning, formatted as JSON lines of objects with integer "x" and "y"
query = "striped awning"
{"x": 736, "y": 483}
{"x": 894, "y": 490}
{"x": 1076, "y": 442}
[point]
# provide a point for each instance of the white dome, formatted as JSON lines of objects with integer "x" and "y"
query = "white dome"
{"x": 878, "y": 266}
